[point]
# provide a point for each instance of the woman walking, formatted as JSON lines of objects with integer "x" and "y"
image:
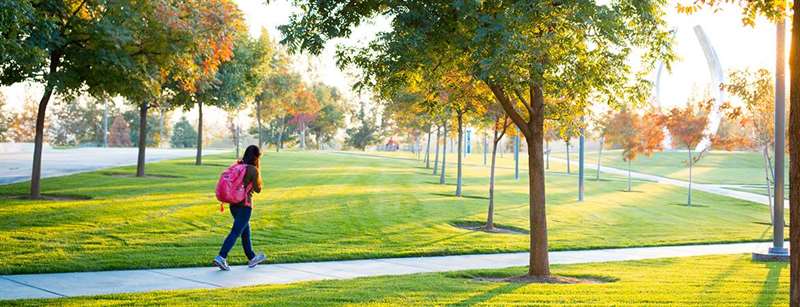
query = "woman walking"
{"x": 241, "y": 212}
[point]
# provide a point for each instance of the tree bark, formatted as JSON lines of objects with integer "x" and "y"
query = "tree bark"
{"x": 533, "y": 130}
{"x": 142, "y": 139}
{"x": 444, "y": 152}
{"x": 198, "y": 160}
{"x": 460, "y": 152}
{"x": 428, "y": 150}
{"x": 539, "y": 259}
{"x": 436, "y": 159}
{"x": 279, "y": 143}
{"x": 490, "y": 213}
{"x": 38, "y": 139}
{"x": 38, "y": 142}
{"x": 794, "y": 158}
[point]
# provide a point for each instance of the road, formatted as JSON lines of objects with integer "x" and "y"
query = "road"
{"x": 16, "y": 167}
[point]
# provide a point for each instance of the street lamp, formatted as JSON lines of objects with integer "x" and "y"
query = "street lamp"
{"x": 777, "y": 251}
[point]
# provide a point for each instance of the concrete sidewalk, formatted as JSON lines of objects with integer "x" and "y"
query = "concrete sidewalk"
{"x": 709, "y": 188}
{"x": 107, "y": 282}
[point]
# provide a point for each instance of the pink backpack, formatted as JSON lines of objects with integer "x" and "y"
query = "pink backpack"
{"x": 230, "y": 187}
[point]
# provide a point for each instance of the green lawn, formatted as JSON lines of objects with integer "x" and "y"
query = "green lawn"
{"x": 324, "y": 206}
{"x": 694, "y": 281}
{"x": 719, "y": 167}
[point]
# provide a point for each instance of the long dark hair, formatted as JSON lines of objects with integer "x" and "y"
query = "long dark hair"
{"x": 252, "y": 156}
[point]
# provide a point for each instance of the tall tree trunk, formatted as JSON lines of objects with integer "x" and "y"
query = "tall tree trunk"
{"x": 142, "y": 139}
{"x": 568, "y": 163}
{"x": 490, "y": 213}
{"x": 279, "y": 144}
{"x": 444, "y": 153}
{"x": 689, "y": 203}
{"x": 258, "y": 120}
{"x": 600, "y": 156}
{"x": 38, "y": 139}
{"x": 460, "y": 152}
{"x": 198, "y": 160}
{"x": 428, "y": 150}
{"x": 794, "y": 158}
{"x": 539, "y": 260}
{"x": 436, "y": 159}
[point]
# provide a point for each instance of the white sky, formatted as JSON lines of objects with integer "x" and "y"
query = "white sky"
{"x": 738, "y": 47}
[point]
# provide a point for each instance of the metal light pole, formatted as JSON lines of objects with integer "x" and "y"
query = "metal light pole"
{"x": 580, "y": 164}
{"x": 777, "y": 251}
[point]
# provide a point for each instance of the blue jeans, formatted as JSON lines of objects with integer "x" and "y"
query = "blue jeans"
{"x": 241, "y": 227}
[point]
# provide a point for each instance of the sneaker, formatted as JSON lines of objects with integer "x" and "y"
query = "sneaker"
{"x": 221, "y": 263}
{"x": 256, "y": 260}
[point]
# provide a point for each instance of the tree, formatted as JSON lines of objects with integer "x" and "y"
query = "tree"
{"x": 776, "y": 11}
{"x": 600, "y": 129}
{"x": 183, "y": 134}
{"x": 72, "y": 46}
{"x": 22, "y": 127}
{"x": 635, "y": 134}
{"x": 687, "y": 126}
{"x": 5, "y": 119}
{"x": 500, "y": 124}
{"x": 119, "y": 134}
{"x": 756, "y": 89}
{"x": 272, "y": 102}
{"x": 152, "y": 135}
{"x": 524, "y": 51}
{"x": 76, "y": 123}
{"x": 365, "y": 133}
{"x": 303, "y": 108}
{"x": 567, "y": 127}
{"x": 264, "y": 50}
{"x": 197, "y": 76}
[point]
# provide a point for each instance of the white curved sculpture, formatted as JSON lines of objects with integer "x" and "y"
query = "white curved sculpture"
{"x": 717, "y": 78}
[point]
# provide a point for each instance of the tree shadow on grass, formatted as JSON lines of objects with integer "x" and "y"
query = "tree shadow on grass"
{"x": 488, "y": 295}
{"x": 47, "y": 197}
{"x": 437, "y": 183}
{"x": 687, "y": 206}
{"x": 769, "y": 289}
{"x": 462, "y": 196}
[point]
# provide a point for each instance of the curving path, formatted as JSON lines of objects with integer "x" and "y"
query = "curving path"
{"x": 107, "y": 282}
{"x": 17, "y": 166}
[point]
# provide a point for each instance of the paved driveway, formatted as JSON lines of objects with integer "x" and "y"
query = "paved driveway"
{"x": 16, "y": 167}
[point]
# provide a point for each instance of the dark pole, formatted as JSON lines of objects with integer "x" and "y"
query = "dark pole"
{"x": 780, "y": 141}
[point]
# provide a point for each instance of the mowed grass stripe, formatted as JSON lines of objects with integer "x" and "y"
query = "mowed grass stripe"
{"x": 329, "y": 206}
